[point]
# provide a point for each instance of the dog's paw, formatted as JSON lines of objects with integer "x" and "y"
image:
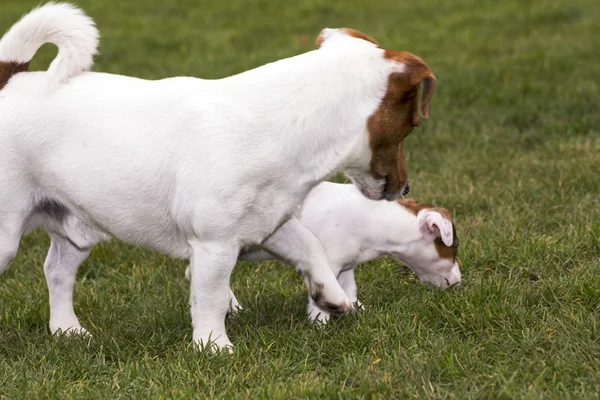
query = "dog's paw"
{"x": 218, "y": 344}
{"x": 77, "y": 330}
{"x": 358, "y": 305}
{"x": 234, "y": 307}
{"x": 318, "y": 317}
{"x": 328, "y": 298}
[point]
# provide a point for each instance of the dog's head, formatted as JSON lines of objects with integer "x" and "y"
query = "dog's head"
{"x": 378, "y": 167}
{"x": 433, "y": 258}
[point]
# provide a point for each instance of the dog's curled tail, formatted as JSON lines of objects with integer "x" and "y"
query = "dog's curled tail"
{"x": 62, "y": 24}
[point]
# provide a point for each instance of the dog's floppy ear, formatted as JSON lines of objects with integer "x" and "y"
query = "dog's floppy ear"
{"x": 421, "y": 74}
{"x": 418, "y": 73}
{"x": 433, "y": 225}
{"x": 428, "y": 87}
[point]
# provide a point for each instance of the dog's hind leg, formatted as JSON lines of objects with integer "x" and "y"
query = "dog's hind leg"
{"x": 71, "y": 242}
{"x": 60, "y": 268}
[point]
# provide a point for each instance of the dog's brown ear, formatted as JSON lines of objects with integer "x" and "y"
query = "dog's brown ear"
{"x": 418, "y": 73}
{"x": 428, "y": 87}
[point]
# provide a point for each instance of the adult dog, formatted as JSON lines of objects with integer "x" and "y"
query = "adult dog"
{"x": 198, "y": 169}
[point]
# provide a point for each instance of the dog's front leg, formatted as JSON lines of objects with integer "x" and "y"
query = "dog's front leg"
{"x": 234, "y": 305}
{"x": 298, "y": 246}
{"x": 348, "y": 283}
{"x": 211, "y": 265}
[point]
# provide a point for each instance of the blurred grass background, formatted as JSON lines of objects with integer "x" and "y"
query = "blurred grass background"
{"x": 512, "y": 148}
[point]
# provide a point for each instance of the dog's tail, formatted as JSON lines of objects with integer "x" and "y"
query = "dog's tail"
{"x": 61, "y": 24}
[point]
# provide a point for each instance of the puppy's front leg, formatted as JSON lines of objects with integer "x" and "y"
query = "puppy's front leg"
{"x": 298, "y": 246}
{"x": 210, "y": 270}
{"x": 346, "y": 280}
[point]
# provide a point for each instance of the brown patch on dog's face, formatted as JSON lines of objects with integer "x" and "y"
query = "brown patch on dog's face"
{"x": 396, "y": 116}
{"x": 10, "y": 68}
{"x": 449, "y": 252}
{"x": 414, "y": 207}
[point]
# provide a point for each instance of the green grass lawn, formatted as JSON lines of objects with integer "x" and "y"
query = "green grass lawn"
{"x": 512, "y": 148}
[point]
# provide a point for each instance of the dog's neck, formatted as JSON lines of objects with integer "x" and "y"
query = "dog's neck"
{"x": 313, "y": 108}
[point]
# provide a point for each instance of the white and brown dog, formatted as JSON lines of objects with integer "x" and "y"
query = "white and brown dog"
{"x": 198, "y": 169}
{"x": 354, "y": 230}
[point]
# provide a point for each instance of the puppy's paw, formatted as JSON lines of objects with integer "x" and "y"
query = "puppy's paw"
{"x": 332, "y": 299}
{"x": 358, "y": 305}
{"x": 317, "y": 316}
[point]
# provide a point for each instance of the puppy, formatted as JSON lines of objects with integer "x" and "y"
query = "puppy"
{"x": 197, "y": 169}
{"x": 354, "y": 230}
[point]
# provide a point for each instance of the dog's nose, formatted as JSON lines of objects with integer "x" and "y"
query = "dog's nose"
{"x": 406, "y": 190}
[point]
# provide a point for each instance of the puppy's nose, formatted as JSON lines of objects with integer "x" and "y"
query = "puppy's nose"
{"x": 406, "y": 190}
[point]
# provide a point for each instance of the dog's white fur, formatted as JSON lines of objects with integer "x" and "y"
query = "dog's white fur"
{"x": 354, "y": 230}
{"x": 73, "y": 32}
{"x": 197, "y": 169}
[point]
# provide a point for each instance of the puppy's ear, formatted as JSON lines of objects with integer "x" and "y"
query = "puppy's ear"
{"x": 433, "y": 225}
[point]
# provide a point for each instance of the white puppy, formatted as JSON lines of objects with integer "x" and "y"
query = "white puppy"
{"x": 198, "y": 169}
{"x": 354, "y": 230}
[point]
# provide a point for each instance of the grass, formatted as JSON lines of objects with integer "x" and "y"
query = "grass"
{"x": 512, "y": 149}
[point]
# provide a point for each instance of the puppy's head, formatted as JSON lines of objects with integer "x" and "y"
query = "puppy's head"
{"x": 433, "y": 258}
{"x": 380, "y": 170}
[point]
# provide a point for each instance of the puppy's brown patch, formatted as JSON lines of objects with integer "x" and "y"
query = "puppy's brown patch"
{"x": 414, "y": 207}
{"x": 449, "y": 252}
{"x": 10, "y": 68}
